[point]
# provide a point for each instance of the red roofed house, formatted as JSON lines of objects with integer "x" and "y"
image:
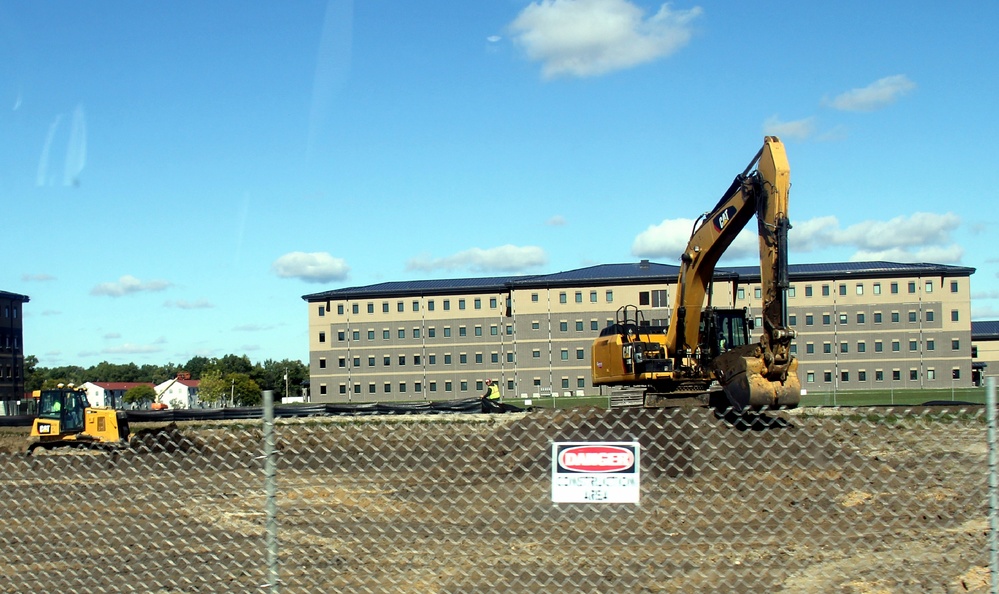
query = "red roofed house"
{"x": 110, "y": 393}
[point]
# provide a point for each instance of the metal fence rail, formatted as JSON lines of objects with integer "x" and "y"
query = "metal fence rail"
{"x": 811, "y": 500}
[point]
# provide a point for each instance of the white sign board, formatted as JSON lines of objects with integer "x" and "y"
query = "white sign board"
{"x": 595, "y": 472}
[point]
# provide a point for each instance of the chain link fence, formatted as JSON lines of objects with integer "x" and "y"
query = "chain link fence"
{"x": 810, "y": 500}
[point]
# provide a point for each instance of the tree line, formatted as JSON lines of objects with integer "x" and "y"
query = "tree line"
{"x": 232, "y": 379}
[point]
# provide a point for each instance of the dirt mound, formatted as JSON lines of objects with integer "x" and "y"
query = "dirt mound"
{"x": 168, "y": 439}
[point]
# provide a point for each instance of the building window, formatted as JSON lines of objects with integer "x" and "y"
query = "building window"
{"x": 955, "y": 345}
{"x": 826, "y": 319}
{"x": 953, "y": 286}
{"x": 477, "y": 303}
{"x": 929, "y": 286}
{"x": 896, "y": 375}
{"x": 861, "y": 347}
{"x": 402, "y": 360}
{"x": 355, "y": 335}
{"x": 929, "y": 315}
{"x": 322, "y": 337}
{"x": 913, "y": 374}
{"x": 955, "y": 373}
{"x": 464, "y": 385}
{"x": 343, "y": 388}
{"x": 809, "y": 348}
{"x": 341, "y": 335}
{"x": 565, "y": 354}
{"x": 447, "y": 386}
{"x": 912, "y": 316}
{"x": 357, "y": 361}
{"x": 322, "y": 388}
{"x": 416, "y": 332}
{"x": 371, "y": 308}
{"x": 494, "y": 330}
{"x": 385, "y": 334}
{"x": 931, "y": 374}
{"x": 322, "y": 363}
{"x": 322, "y": 311}
{"x": 860, "y": 289}
{"x": 563, "y": 326}
{"x": 790, "y": 291}
{"x": 894, "y": 317}
{"x": 593, "y": 296}
{"x": 912, "y": 287}
{"x": 808, "y": 290}
{"x": 509, "y": 329}
{"x": 843, "y": 319}
{"x": 827, "y": 376}
{"x": 416, "y": 306}
{"x": 826, "y": 347}
{"x": 809, "y": 320}
{"x": 342, "y": 362}
{"x": 534, "y": 297}
{"x": 931, "y": 344}
{"x": 861, "y": 318}
{"x": 896, "y": 346}
{"x": 371, "y": 388}
{"x": 462, "y": 358}
{"x": 953, "y": 315}
{"x": 478, "y": 358}
{"x": 432, "y": 359}
{"x": 494, "y": 357}
{"x": 579, "y": 325}
{"x": 844, "y": 347}
{"x": 461, "y": 304}
{"x": 447, "y": 332}
{"x": 913, "y": 345}
{"x": 447, "y": 306}
{"x": 609, "y": 296}
{"x": 879, "y": 376}
{"x": 400, "y": 306}
{"x": 825, "y": 290}
{"x": 387, "y": 388}
{"x": 844, "y": 376}
{"x": 433, "y": 386}
{"x": 842, "y": 290}
{"x": 478, "y": 330}
{"x": 535, "y": 325}
{"x": 594, "y": 325}
{"x": 536, "y": 353}
{"x": 385, "y": 307}
{"x": 509, "y": 357}
{"x": 371, "y": 360}
{"x": 861, "y": 376}
{"x": 357, "y": 388}
{"x": 758, "y": 293}
{"x": 371, "y": 334}
{"x": 877, "y": 317}
{"x": 447, "y": 358}
{"x": 354, "y": 308}
{"x": 386, "y": 360}
{"x": 810, "y": 377}
{"x": 877, "y": 288}
{"x": 462, "y": 331}
{"x": 893, "y": 288}
{"x": 792, "y": 320}
{"x": 492, "y": 303}
{"x": 740, "y": 294}
{"x": 430, "y": 305}
{"x": 562, "y": 298}
{"x": 339, "y": 309}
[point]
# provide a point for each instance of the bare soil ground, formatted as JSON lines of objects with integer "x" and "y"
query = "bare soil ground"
{"x": 798, "y": 502}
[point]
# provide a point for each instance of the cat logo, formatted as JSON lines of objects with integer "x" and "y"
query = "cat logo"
{"x": 723, "y": 218}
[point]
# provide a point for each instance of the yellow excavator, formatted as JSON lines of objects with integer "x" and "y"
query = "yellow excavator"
{"x": 66, "y": 419}
{"x": 704, "y": 344}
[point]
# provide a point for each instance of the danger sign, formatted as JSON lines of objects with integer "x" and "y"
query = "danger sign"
{"x": 595, "y": 472}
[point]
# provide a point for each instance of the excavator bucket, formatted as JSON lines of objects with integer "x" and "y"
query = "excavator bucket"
{"x": 748, "y": 384}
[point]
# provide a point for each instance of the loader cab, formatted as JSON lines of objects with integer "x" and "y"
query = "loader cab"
{"x": 65, "y": 406}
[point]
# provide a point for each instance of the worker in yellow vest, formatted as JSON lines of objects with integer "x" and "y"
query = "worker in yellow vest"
{"x": 491, "y": 397}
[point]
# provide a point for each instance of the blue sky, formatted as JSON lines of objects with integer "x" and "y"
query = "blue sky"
{"x": 175, "y": 176}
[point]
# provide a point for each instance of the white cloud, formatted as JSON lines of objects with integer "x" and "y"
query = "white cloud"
{"x": 40, "y": 277}
{"x": 592, "y": 37}
{"x": 184, "y": 304}
{"x": 876, "y": 95}
{"x": 505, "y": 258}
{"x": 126, "y": 285}
{"x": 315, "y": 267}
{"x": 919, "y": 237}
{"x": 253, "y": 327}
{"x": 131, "y": 349}
{"x": 112, "y": 336}
{"x": 556, "y": 221}
{"x": 668, "y": 239}
{"x": 494, "y": 38}
{"x": 800, "y": 129}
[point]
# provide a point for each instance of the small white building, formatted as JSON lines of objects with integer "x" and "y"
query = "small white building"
{"x": 179, "y": 392}
{"x": 110, "y": 394}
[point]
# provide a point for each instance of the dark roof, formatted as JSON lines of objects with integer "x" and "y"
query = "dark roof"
{"x": 985, "y": 330}
{"x": 630, "y": 273}
{"x": 844, "y": 270}
{"x": 14, "y": 297}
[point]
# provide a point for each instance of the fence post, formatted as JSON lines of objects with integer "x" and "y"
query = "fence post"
{"x": 990, "y": 411}
{"x": 270, "y": 488}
